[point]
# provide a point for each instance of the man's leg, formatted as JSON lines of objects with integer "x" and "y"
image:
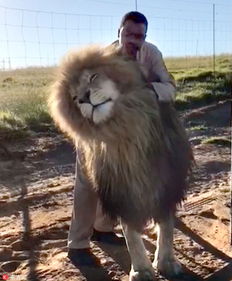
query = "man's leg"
{"x": 104, "y": 229}
{"x": 87, "y": 214}
{"x": 84, "y": 211}
{"x": 103, "y": 222}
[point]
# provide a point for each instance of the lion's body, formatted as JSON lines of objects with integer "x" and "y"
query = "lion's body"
{"x": 136, "y": 154}
{"x": 141, "y": 172}
{"x": 139, "y": 159}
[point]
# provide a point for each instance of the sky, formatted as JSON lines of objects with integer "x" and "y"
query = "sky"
{"x": 40, "y": 32}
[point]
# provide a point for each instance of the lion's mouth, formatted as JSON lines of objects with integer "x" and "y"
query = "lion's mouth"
{"x": 95, "y": 108}
{"x": 96, "y": 105}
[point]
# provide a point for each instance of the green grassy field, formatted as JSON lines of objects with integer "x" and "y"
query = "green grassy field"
{"x": 197, "y": 82}
{"x": 23, "y": 101}
{"x": 24, "y": 92}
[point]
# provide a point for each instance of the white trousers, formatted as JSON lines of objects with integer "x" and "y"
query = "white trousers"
{"x": 87, "y": 213}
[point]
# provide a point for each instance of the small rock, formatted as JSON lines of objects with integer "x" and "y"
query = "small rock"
{"x": 54, "y": 244}
{"x": 5, "y": 196}
{"x": 53, "y": 184}
{"x": 20, "y": 255}
{"x": 10, "y": 266}
{"x": 204, "y": 254}
{"x": 221, "y": 211}
{"x": 103, "y": 261}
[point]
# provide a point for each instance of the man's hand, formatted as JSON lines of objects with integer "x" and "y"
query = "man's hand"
{"x": 150, "y": 86}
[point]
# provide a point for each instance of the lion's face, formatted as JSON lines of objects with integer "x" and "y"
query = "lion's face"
{"x": 94, "y": 94}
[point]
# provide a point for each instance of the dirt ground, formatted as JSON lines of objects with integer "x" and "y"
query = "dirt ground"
{"x": 36, "y": 182}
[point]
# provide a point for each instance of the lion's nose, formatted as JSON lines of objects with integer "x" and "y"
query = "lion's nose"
{"x": 85, "y": 98}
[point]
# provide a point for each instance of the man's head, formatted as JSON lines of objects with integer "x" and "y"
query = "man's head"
{"x": 132, "y": 33}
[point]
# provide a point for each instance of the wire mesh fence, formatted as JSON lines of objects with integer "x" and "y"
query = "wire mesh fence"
{"x": 40, "y": 38}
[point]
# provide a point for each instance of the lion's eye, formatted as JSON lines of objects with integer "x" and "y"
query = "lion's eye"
{"x": 93, "y": 77}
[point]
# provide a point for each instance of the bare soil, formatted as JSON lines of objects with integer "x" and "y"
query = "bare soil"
{"x": 36, "y": 181}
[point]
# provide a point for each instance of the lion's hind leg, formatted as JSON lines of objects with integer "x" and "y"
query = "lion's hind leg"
{"x": 141, "y": 266}
{"x": 164, "y": 259}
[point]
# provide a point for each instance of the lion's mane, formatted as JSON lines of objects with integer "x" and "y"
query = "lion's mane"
{"x": 139, "y": 159}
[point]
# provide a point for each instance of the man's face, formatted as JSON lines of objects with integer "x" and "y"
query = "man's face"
{"x": 131, "y": 37}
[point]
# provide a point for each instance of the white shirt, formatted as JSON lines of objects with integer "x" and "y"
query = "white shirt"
{"x": 155, "y": 71}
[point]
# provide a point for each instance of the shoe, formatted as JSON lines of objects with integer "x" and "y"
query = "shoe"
{"x": 107, "y": 237}
{"x": 83, "y": 257}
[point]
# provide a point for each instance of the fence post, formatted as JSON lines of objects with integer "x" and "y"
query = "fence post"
{"x": 231, "y": 198}
{"x": 214, "y": 58}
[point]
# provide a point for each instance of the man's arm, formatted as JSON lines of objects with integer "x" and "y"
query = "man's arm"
{"x": 161, "y": 80}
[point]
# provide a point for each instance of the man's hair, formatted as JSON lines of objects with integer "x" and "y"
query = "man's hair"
{"x": 135, "y": 17}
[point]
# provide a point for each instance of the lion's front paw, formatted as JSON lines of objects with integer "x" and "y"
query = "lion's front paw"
{"x": 142, "y": 275}
{"x": 169, "y": 267}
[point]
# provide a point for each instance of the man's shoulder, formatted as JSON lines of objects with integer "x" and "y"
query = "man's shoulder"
{"x": 150, "y": 48}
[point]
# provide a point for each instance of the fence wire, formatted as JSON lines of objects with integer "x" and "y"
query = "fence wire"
{"x": 40, "y": 38}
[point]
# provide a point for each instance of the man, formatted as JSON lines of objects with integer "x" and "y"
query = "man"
{"x": 88, "y": 221}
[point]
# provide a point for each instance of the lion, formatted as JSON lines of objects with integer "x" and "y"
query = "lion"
{"x": 134, "y": 150}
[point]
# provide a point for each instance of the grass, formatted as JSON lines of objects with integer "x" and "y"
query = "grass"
{"x": 197, "y": 83}
{"x": 11, "y": 126}
{"x": 23, "y": 106}
{"x": 198, "y": 128}
{"x": 223, "y": 141}
{"x": 188, "y": 65}
{"x": 202, "y": 88}
{"x": 24, "y": 92}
